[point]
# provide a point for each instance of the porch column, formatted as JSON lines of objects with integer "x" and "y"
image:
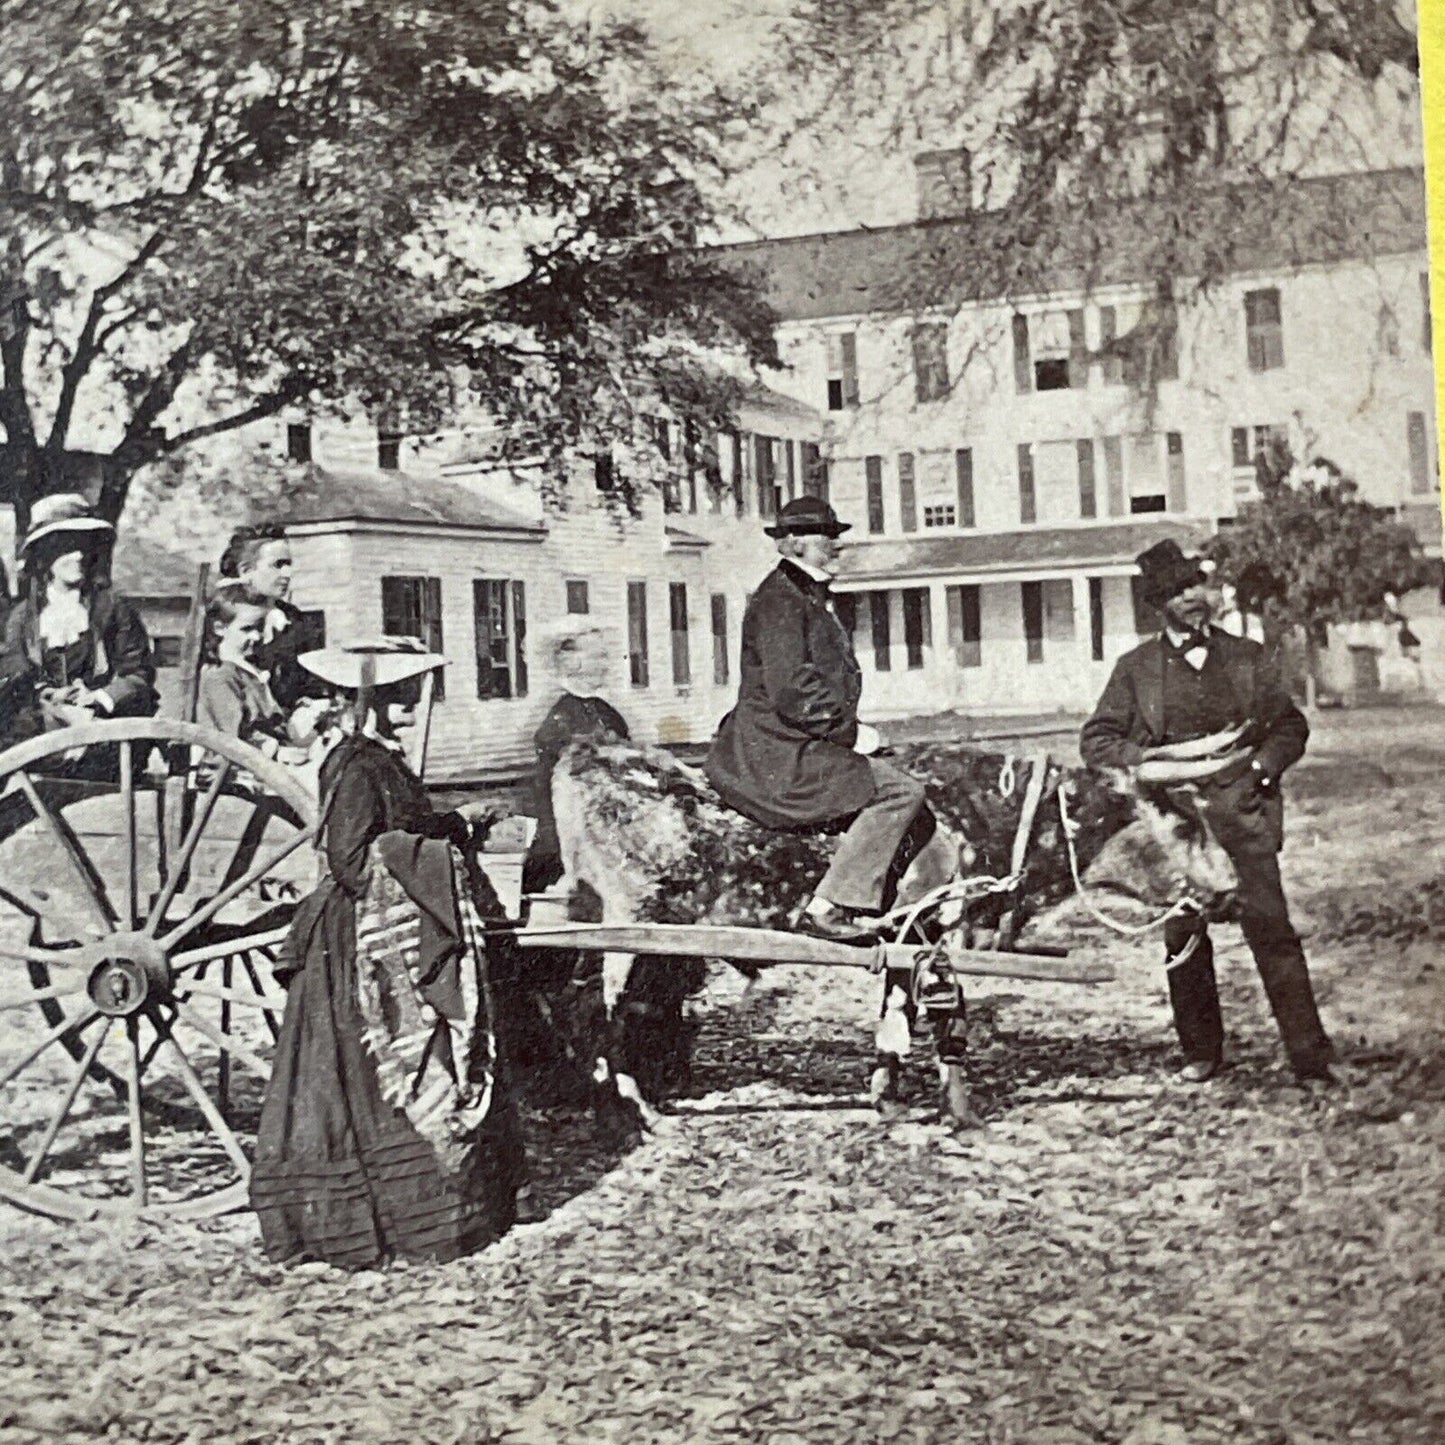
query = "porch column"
{"x": 1083, "y": 642}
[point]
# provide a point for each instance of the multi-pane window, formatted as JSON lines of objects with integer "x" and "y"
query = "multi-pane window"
{"x": 637, "y": 662}
{"x": 677, "y": 627}
{"x": 965, "y": 631}
{"x": 298, "y": 441}
{"x": 1028, "y": 496}
{"x": 1033, "y": 605}
{"x": 940, "y": 514}
{"x": 1418, "y": 439}
{"x": 1088, "y": 491}
{"x": 499, "y": 620}
{"x": 1147, "y": 491}
{"x": 917, "y": 625}
{"x": 873, "y": 472}
{"x": 842, "y": 370}
{"x": 1263, "y": 329}
{"x": 882, "y": 639}
{"x": 1256, "y": 449}
{"x": 1096, "y": 618}
{"x": 963, "y": 471}
{"x": 930, "y": 361}
{"x": 907, "y": 493}
{"x": 719, "y": 639}
{"x": 1050, "y": 353}
{"x": 578, "y": 602}
{"x": 412, "y": 607}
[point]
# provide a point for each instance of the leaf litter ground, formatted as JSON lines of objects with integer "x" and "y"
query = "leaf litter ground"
{"x": 1114, "y": 1257}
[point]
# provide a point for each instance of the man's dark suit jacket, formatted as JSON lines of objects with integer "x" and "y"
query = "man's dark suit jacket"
{"x": 784, "y": 755}
{"x": 1130, "y": 718}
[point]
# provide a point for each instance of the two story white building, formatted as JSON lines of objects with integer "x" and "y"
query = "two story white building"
{"x": 1004, "y": 458}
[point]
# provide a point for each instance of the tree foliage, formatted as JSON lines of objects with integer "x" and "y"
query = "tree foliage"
{"x": 210, "y": 213}
{"x": 1068, "y": 106}
{"x": 1334, "y": 554}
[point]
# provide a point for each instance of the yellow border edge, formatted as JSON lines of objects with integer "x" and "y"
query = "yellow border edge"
{"x": 1432, "y": 92}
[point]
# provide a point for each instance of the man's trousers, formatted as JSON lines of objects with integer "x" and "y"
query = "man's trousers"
{"x": 858, "y": 876}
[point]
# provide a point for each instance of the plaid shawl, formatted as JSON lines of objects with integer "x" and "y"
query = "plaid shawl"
{"x": 424, "y": 994}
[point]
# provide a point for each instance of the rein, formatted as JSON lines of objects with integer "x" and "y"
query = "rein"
{"x": 1128, "y": 930}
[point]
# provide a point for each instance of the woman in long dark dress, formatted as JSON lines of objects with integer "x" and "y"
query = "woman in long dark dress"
{"x": 355, "y": 1162}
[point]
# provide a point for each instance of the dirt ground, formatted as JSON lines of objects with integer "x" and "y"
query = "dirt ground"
{"x": 1114, "y": 1257}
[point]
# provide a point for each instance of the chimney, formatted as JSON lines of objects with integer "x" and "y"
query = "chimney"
{"x": 945, "y": 183}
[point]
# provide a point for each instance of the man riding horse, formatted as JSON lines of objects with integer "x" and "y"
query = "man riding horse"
{"x": 787, "y": 756}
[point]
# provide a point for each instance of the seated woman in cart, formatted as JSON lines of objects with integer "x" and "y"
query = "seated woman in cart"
{"x": 387, "y": 1128}
{"x": 74, "y": 651}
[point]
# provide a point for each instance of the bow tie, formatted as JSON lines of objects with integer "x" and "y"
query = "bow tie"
{"x": 1188, "y": 643}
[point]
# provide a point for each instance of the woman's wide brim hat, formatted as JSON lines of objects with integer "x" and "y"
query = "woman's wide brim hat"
{"x": 1165, "y": 572}
{"x": 388, "y": 659}
{"x": 808, "y": 517}
{"x": 63, "y": 512}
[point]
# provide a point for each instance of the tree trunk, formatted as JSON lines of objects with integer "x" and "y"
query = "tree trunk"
{"x": 29, "y": 473}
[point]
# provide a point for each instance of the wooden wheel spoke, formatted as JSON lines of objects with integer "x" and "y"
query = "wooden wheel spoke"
{"x": 94, "y": 893}
{"x": 227, "y": 1043}
{"x": 248, "y": 943}
{"x": 232, "y": 891}
{"x": 41, "y": 995}
{"x": 222, "y": 1130}
{"x": 39, "y": 909}
{"x": 67, "y": 1099}
{"x": 176, "y": 867}
{"x": 48, "y": 957}
{"x": 259, "y": 999}
{"x": 130, "y": 862}
{"x": 133, "y": 1113}
{"x": 74, "y": 1025}
{"x": 271, "y": 1013}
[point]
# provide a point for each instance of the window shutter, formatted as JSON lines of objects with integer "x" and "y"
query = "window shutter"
{"x": 1419, "y": 443}
{"x": 1426, "y": 340}
{"x": 849, "y": 348}
{"x": 873, "y": 470}
{"x": 1113, "y": 366}
{"x": 719, "y": 639}
{"x": 1088, "y": 498}
{"x": 963, "y": 465}
{"x": 1078, "y": 351}
{"x": 519, "y": 639}
{"x": 1033, "y": 605}
{"x": 917, "y": 625}
{"x": 1023, "y": 363}
{"x": 1174, "y": 447}
{"x": 1096, "y": 618}
{"x": 736, "y": 444}
{"x": 637, "y": 664}
{"x": 1028, "y": 500}
{"x": 964, "y": 630}
{"x": 1114, "y": 475}
{"x": 907, "y": 493}
{"x": 677, "y": 620}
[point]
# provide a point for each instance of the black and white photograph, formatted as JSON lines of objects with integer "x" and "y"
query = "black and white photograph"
{"x": 721, "y": 722}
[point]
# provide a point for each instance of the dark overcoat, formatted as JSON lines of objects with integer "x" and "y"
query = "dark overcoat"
{"x": 1130, "y": 717}
{"x": 784, "y": 755}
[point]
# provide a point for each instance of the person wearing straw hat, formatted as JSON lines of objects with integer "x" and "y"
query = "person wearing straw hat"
{"x": 73, "y": 650}
{"x": 1195, "y": 681}
{"x": 791, "y": 754}
{"x": 387, "y": 1129}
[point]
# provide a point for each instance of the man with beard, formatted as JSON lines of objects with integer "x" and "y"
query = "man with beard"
{"x": 1191, "y": 681}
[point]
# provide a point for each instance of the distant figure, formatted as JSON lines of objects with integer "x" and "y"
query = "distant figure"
{"x": 232, "y": 696}
{"x": 580, "y": 659}
{"x": 73, "y": 650}
{"x": 260, "y": 557}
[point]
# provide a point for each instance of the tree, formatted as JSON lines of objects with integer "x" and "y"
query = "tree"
{"x": 1334, "y": 555}
{"x": 213, "y": 212}
{"x": 1209, "y": 109}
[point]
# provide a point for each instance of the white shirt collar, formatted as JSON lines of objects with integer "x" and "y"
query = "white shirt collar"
{"x": 816, "y": 573}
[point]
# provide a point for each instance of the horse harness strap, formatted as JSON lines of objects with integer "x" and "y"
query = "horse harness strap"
{"x": 1033, "y": 795}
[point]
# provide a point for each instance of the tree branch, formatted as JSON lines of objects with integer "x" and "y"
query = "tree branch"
{"x": 268, "y": 406}
{"x": 89, "y": 343}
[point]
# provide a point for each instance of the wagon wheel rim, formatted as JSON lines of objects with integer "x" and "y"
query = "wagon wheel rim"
{"x": 143, "y": 982}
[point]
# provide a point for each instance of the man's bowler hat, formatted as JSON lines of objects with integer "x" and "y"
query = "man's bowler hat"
{"x": 1165, "y": 572}
{"x": 808, "y": 517}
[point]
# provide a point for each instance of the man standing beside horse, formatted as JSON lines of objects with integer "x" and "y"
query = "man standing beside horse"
{"x": 1190, "y": 682}
{"x": 787, "y": 755}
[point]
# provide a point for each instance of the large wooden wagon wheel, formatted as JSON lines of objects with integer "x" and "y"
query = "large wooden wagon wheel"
{"x": 148, "y": 872}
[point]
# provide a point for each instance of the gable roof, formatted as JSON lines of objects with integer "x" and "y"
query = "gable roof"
{"x": 986, "y": 256}
{"x": 335, "y": 494}
{"x": 1046, "y": 548}
{"x": 146, "y": 571}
